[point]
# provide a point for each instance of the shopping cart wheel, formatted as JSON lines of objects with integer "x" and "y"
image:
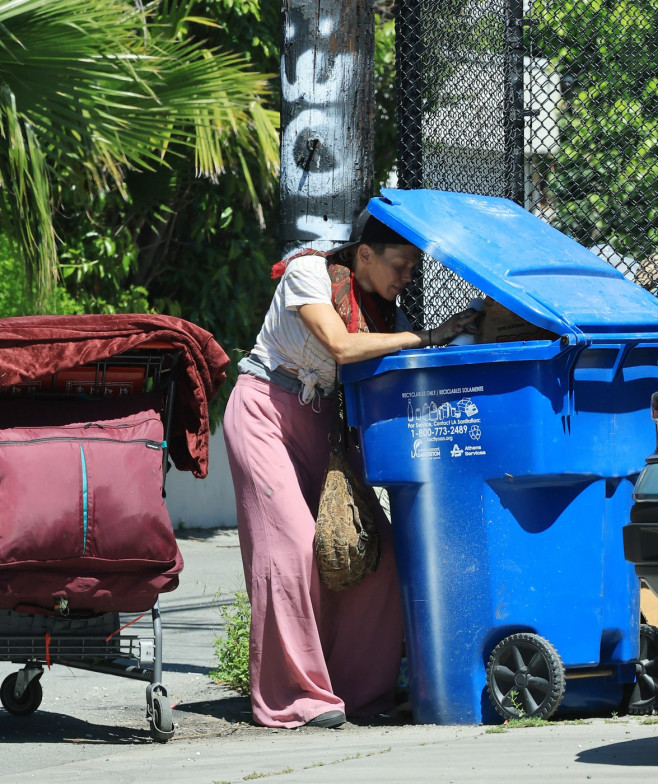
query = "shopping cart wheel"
{"x": 525, "y": 677}
{"x": 642, "y": 699}
{"x": 28, "y": 701}
{"x": 162, "y": 721}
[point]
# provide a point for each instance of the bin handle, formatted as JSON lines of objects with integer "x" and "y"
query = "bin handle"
{"x": 643, "y": 370}
{"x": 603, "y": 373}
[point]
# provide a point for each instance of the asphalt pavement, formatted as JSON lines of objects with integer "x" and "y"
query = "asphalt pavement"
{"x": 90, "y": 727}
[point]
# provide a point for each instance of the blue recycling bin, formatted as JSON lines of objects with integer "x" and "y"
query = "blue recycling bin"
{"x": 510, "y": 468}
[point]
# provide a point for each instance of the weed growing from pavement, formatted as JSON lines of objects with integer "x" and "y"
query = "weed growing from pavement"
{"x": 522, "y": 719}
{"x": 513, "y": 697}
{"x": 232, "y": 648}
{"x": 529, "y": 721}
{"x": 253, "y": 776}
{"x": 359, "y": 755}
{"x": 356, "y": 756}
{"x": 615, "y": 718}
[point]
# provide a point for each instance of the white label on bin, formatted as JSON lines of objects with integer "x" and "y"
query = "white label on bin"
{"x": 440, "y": 427}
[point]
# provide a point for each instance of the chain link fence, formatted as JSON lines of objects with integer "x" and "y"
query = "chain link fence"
{"x": 551, "y": 103}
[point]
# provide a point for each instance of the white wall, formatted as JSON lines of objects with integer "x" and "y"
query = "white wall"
{"x": 203, "y": 503}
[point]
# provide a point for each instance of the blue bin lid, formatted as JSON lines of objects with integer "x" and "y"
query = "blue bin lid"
{"x": 518, "y": 259}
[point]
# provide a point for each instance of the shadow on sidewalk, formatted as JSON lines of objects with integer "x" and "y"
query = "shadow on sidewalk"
{"x": 638, "y": 752}
{"x": 234, "y": 709}
{"x": 46, "y": 727}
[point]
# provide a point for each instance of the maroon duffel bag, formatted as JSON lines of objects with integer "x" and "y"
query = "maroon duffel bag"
{"x": 83, "y": 525}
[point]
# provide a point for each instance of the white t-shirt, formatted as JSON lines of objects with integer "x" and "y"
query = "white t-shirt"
{"x": 284, "y": 341}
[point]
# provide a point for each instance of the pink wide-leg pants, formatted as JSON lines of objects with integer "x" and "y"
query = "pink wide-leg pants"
{"x": 311, "y": 649}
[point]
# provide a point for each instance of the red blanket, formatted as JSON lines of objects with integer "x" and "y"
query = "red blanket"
{"x": 34, "y": 346}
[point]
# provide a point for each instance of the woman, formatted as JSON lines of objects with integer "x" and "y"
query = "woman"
{"x": 316, "y": 655}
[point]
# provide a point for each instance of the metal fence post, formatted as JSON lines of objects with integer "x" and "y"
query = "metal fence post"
{"x": 409, "y": 78}
{"x": 409, "y": 85}
{"x": 514, "y": 123}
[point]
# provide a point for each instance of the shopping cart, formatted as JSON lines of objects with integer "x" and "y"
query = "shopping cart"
{"x": 84, "y": 542}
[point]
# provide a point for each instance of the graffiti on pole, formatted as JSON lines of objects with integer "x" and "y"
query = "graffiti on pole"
{"x": 326, "y": 119}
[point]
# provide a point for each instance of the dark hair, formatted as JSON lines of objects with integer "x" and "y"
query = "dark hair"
{"x": 346, "y": 255}
{"x": 374, "y": 232}
{"x": 371, "y": 231}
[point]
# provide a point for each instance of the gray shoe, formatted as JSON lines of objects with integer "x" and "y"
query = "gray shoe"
{"x": 329, "y": 719}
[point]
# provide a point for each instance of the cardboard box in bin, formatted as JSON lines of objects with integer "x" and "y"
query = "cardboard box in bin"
{"x": 498, "y": 324}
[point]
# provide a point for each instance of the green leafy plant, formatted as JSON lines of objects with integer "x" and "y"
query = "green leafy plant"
{"x": 232, "y": 648}
{"x": 603, "y": 180}
{"x": 14, "y": 288}
{"x": 385, "y": 97}
{"x": 515, "y": 701}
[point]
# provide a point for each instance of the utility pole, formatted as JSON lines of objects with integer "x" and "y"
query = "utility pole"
{"x": 327, "y": 106}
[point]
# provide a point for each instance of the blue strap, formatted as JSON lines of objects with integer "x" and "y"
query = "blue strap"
{"x": 84, "y": 499}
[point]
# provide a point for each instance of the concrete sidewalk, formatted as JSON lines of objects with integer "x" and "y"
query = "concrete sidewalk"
{"x": 598, "y": 752}
{"x": 91, "y": 727}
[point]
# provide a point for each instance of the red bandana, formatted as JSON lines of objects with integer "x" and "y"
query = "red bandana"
{"x": 359, "y": 310}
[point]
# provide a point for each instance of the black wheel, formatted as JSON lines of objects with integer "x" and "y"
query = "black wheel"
{"x": 525, "y": 677}
{"x": 642, "y": 700}
{"x": 27, "y": 703}
{"x": 162, "y": 722}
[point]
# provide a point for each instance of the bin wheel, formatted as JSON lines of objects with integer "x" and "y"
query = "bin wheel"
{"x": 27, "y": 703}
{"x": 525, "y": 677}
{"x": 162, "y": 722}
{"x": 642, "y": 700}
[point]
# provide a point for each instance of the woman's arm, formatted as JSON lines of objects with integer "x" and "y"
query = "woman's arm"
{"x": 327, "y": 326}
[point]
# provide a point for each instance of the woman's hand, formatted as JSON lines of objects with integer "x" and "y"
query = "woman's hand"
{"x": 464, "y": 321}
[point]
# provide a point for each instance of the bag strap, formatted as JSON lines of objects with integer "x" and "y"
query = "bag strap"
{"x": 339, "y": 434}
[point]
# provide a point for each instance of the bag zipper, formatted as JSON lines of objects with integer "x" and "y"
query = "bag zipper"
{"x": 146, "y": 441}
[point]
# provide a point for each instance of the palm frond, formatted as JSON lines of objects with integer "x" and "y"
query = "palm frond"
{"x": 26, "y": 202}
{"x": 90, "y": 89}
